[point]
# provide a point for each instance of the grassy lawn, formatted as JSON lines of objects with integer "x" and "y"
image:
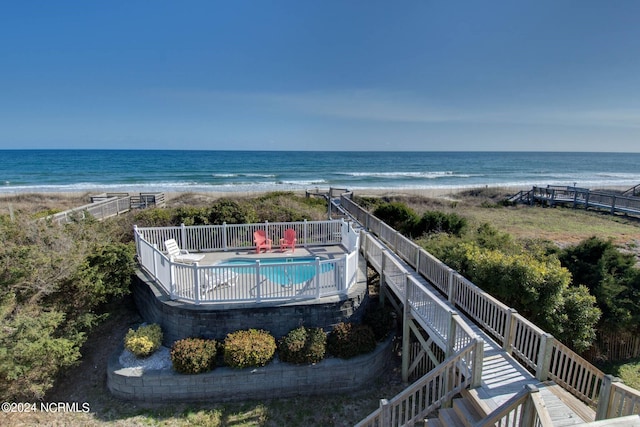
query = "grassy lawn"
{"x": 560, "y": 225}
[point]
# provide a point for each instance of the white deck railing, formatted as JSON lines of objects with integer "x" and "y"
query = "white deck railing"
{"x": 534, "y": 348}
{"x": 413, "y": 404}
{"x": 256, "y": 281}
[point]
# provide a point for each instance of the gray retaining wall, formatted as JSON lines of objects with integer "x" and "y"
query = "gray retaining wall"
{"x": 275, "y": 380}
{"x": 182, "y": 320}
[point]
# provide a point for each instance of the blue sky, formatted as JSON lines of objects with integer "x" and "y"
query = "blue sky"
{"x": 321, "y": 75}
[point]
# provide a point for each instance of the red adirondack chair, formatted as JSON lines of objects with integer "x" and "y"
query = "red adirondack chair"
{"x": 289, "y": 240}
{"x": 261, "y": 241}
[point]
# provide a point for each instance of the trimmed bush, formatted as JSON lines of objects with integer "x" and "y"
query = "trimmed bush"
{"x": 143, "y": 341}
{"x": 303, "y": 345}
{"x": 381, "y": 321}
{"x": 250, "y": 347}
{"x": 347, "y": 340}
{"x": 193, "y": 355}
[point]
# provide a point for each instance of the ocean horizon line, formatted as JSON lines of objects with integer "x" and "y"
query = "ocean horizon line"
{"x": 318, "y": 151}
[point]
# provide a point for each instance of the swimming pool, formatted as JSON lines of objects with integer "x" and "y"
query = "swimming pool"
{"x": 283, "y": 271}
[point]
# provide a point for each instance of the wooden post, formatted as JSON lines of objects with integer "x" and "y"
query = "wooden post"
{"x": 451, "y": 334}
{"x": 478, "y": 360}
{"x": 604, "y": 400}
{"x": 528, "y": 408}
{"x": 383, "y": 283}
{"x": 406, "y": 337}
{"x": 509, "y": 330}
{"x": 613, "y": 205}
{"x": 544, "y": 356}
{"x": 385, "y": 413}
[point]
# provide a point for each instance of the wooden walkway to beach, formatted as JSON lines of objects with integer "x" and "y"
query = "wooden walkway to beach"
{"x": 503, "y": 377}
{"x": 626, "y": 203}
{"x": 478, "y": 352}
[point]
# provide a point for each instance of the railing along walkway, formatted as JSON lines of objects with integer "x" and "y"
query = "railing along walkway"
{"x": 522, "y": 354}
{"x": 502, "y": 376}
{"x": 553, "y": 195}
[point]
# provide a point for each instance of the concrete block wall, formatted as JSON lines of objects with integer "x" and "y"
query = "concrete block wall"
{"x": 278, "y": 379}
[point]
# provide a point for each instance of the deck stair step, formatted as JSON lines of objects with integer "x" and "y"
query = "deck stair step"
{"x": 466, "y": 411}
{"x": 463, "y": 413}
{"x": 472, "y": 397}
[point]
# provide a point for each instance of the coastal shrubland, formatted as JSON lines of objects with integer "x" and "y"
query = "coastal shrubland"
{"x": 54, "y": 286}
{"x": 272, "y": 207}
{"x": 507, "y": 227}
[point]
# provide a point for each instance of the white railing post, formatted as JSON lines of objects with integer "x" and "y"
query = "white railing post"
{"x": 196, "y": 283}
{"x": 266, "y": 230}
{"x": 225, "y": 246}
{"x": 154, "y": 253}
{"x": 544, "y": 356}
{"x": 509, "y": 331}
{"x": 305, "y": 233}
{"x": 451, "y": 296}
{"x": 183, "y": 237}
{"x": 136, "y": 238}
{"x": 258, "y": 296}
{"x": 317, "y": 277}
{"x": 172, "y": 279}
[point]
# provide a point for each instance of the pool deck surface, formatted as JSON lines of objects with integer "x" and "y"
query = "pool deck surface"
{"x": 324, "y": 252}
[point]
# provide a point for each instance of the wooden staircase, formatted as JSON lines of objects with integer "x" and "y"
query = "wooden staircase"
{"x": 466, "y": 410}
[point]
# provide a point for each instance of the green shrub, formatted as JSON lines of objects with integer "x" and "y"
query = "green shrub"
{"x": 250, "y": 347}
{"x": 193, "y": 355}
{"x": 303, "y": 345}
{"x": 347, "y": 340}
{"x": 439, "y": 222}
{"x": 143, "y": 341}
{"x": 397, "y": 215}
{"x": 380, "y": 320}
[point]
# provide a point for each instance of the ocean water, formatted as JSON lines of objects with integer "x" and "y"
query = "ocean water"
{"x": 23, "y": 171}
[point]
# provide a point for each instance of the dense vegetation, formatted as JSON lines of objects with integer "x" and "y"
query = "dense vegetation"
{"x": 570, "y": 293}
{"x": 54, "y": 284}
{"x": 57, "y": 282}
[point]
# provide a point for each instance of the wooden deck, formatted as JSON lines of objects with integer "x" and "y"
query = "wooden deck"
{"x": 503, "y": 377}
{"x": 627, "y": 203}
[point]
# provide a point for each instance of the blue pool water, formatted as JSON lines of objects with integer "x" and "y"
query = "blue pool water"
{"x": 283, "y": 271}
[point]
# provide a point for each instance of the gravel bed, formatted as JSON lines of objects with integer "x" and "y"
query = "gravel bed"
{"x": 159, "y": 360}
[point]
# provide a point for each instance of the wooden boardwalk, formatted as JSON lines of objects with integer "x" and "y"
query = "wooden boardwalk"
{"x": 503, "y": 377}
{"x": 613, "y": 203}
